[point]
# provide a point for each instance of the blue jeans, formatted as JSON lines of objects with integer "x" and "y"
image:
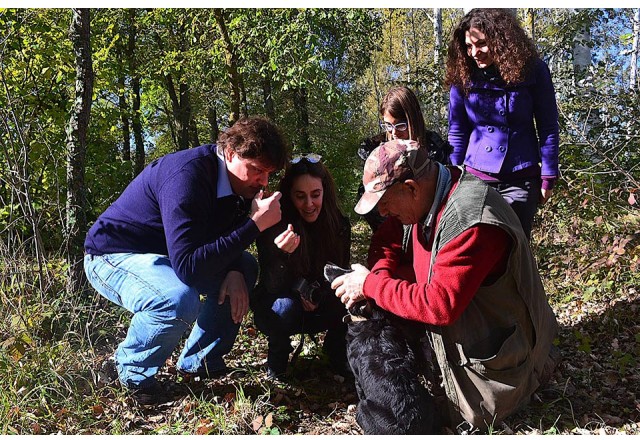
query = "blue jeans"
{"x": 163, "y": 309}
{"x": 522, "y": 196}
{"x": 281, "y": 316}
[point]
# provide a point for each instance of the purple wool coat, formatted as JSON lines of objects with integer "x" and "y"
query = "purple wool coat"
{"x": 507, "y": 131}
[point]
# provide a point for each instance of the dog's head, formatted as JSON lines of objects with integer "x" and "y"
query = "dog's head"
{"x": 362, "y": 311}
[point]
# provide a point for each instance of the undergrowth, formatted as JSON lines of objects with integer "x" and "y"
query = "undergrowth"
{"x": 587, "y": 249}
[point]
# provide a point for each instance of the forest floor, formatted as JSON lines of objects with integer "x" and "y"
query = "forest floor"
{"x": 594, "y": 390}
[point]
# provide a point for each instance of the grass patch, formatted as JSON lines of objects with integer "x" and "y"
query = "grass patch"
{"x": 53, "y": 347}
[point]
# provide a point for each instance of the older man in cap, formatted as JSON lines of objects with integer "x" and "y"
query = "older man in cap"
{"x": 477, "y": 286}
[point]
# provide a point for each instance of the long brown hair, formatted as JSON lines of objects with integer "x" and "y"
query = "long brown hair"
{"x": 513, "y": 52}
{"x": 402, "y": 104}
{"x": 327, "y": 228}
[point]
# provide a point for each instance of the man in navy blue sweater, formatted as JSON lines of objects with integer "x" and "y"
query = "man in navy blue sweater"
{"x": 179, "y": 230}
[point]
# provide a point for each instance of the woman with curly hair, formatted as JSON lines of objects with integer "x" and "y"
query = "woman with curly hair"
{"x": 503, "y": 117}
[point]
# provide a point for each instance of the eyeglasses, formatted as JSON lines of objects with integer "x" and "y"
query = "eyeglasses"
{"x": 400, "y": 126}
{"x": 309, "y": 157}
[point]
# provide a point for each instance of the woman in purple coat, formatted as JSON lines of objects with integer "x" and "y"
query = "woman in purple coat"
{"x": 503, "y": 117}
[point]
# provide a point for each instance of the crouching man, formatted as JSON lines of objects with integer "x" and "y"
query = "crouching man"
{"x": 477, "y": 284}
{"x": 179, "y": 230}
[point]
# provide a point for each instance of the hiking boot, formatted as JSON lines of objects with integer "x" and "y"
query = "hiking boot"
{"x": 275, "y": 374}
{"x": 151, "y": 392}
{"x": 107, "y": 373}
{"x": 278, "y": 357}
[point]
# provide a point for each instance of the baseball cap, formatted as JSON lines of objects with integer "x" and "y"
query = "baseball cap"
{"x": 391, "y": 162}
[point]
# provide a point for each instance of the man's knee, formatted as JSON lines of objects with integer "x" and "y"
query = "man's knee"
{"x": 181, "y": 303}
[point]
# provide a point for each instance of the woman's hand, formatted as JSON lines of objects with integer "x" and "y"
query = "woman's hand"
{"x": 349, "y": 286}
{"x": 308, "y": 306}
{"x": 288, "y": 241}
{"x": 545, "y": 195}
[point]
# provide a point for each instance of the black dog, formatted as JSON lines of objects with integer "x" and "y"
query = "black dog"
{"x": 384, "y": 353}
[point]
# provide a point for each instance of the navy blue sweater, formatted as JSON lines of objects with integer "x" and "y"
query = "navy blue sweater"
{"x": 172, "y": 208}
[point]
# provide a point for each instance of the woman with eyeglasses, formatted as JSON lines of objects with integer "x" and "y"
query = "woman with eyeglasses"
{"x": 402, "y": 118}
{"x": 292, "y": 296}
{"x": 503, "y": 117}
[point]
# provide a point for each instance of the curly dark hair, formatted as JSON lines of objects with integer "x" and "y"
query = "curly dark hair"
{"x": 329, "y": 223}
{"x": 256, "y": 138}
{"x": 513, "y": 51}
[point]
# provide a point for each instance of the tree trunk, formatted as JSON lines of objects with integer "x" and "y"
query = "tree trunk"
{"x": 137, "y": 127}
{"x": 232, "y": 66}
{"x": 124, "y": 118}
{"x": 581, "y": 52}
{"x": 212, "y": 117}
{"x": 267, "y": 94}
{"x": 302, "y": 110}
{"x": 193, "y": 133}
{"x": 437, "y": 36}
{"x": 243, "y": 94}
{"x": 76, "y": 148}
{"x": 531, "y": 22}
{"x": 267, "y": 90}
{"x": 633, "y": 73}
{"x": 138, "y": 165}
{"x": 180, "y": 100}
{"x": 180, "y": 110}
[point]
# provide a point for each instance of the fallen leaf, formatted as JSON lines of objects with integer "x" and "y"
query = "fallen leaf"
{"x": 204, "y": 427}
{"x": 632, "y": 199}
{"x": 257, "y": 423}
{"x": 268, "y": 421}
{"x": 35, "y": 428}
{"x": 97, "y": 410}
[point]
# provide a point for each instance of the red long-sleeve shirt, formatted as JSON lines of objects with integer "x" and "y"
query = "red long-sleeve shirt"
{"x": 475, "y": 257}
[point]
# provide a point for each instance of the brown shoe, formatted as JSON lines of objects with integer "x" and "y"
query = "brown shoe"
{"x": 151, "y": 393}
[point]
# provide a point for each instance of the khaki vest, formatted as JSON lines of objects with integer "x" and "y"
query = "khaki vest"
{"x": 492, "y": 356}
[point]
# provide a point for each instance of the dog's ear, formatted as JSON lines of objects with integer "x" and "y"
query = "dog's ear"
{"x": 333, "y": 271}
{"x": 363, "y": 309}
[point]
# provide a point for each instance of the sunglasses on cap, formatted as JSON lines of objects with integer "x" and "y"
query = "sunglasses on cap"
{"x": 309, "y": 157}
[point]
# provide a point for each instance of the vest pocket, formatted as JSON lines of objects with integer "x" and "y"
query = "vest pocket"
{"x": 491, "y": 386}
{"x": 503, "y": 350}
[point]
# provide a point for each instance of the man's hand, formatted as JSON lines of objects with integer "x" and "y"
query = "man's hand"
{"x": 349, "y": 286}
{"x": 235, "y": 288}
{"x": 265, "y": 211}
{"x": 288, "y": 241}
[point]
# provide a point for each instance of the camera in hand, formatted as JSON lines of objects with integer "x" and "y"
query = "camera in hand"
{"x": 308, "y": 290}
